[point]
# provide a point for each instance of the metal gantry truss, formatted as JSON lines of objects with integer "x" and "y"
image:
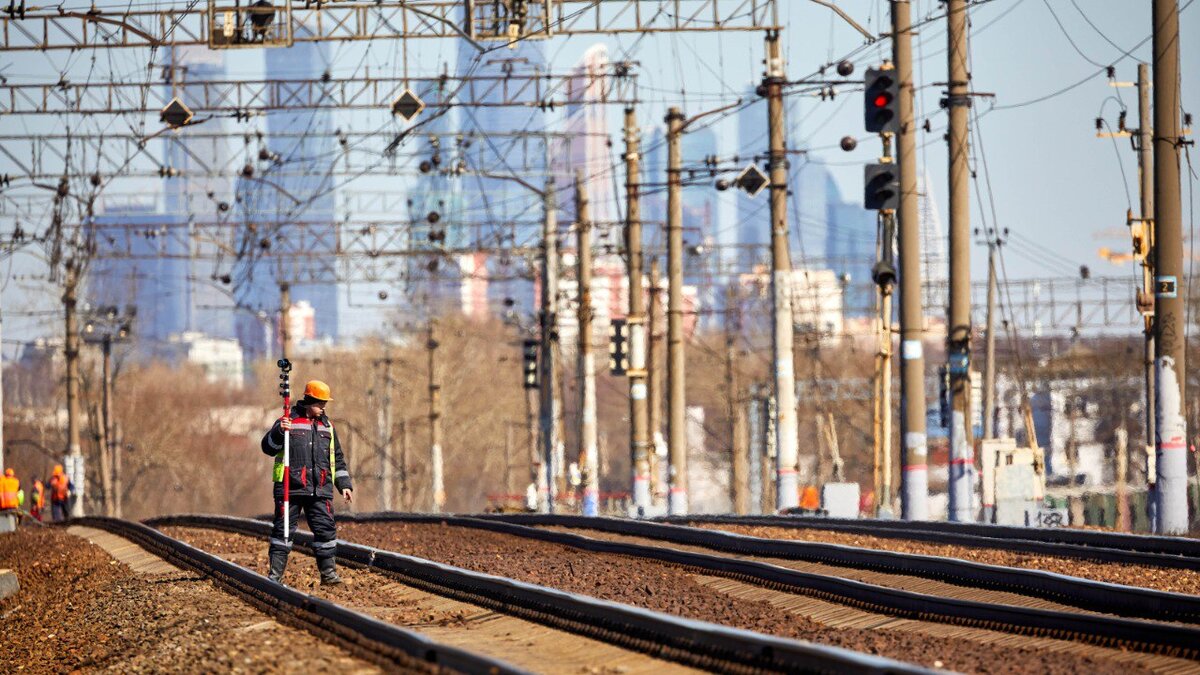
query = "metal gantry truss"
{"x": 251, "y": 97}
{"x": 79, "y": 156}
{"x": 195, "y": 23}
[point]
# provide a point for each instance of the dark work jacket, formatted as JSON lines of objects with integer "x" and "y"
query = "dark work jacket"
{"x": 310, "y": 473}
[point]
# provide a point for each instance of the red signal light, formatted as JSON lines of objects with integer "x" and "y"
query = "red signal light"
{"x": 882, "y": 100}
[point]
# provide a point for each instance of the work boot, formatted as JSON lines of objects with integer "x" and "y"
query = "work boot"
{"x": 278, "y": 565}
{"x": 328, "y": 569}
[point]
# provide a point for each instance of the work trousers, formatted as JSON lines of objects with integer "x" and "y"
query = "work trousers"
{"x": 59, "y": 511}
{"x": 318, "y": 511}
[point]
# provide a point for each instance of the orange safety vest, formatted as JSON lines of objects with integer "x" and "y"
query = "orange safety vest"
{"x": 810, "y": 499}
{"x": 8, "y": 492}
{"x": 60, "y": 488}
{"x": 39, "y": 495}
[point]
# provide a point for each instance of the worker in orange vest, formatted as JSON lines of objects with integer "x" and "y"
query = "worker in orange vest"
{"x": 37, "y": 500}
{"x": 60, "y": 494}
{"x": 810, "y": 499}
{"x": 10, "y": 489}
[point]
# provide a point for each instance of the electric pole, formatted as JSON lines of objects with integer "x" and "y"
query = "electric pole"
{"x": 549, "y": 410}
{"x": 654, "y": 379}
{"x": 958, "y": 333}
{"x": 914, "y": 475}
{"x": 639, "y": 432}
{"x": 787, "y": 490}
{"x": 106, "y": 444}
{"x": 387, "y": 471}
{"x": 989, "y": 363}
{"x": 536, "y": 468}
{"x": 586, "y": 361}
{"x": 435, "y": 420}
{"x": 738, "y": 442}
{"x": 76, "y": 472}
{"x": 1145, "y": 136}
{"x": 285, "y": 313}
{"x": 1169, "y": 323}
{"x": 677, "y": 498}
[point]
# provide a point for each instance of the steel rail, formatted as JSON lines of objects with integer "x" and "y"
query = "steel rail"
{"x": 1086, "y": 594}
{"x": 696, "y": 643}
{"x": 383, "y": 643}
{"x": 1106, "y": 546}
{"x": 1108, "y": 631}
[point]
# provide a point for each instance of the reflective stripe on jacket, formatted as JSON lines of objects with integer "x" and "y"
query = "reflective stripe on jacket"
{"x": 317, "y": 462}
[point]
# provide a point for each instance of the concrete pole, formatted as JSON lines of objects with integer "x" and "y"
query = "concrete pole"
{"x": 787, "y": 490}
{"x": 1170, "y": 279}
{"x": 958, "y": 334}
{"x": 106, "y": 449}
{"x": 739, "y": 445}
{"x": 1121, "y": 473}
{"x": 989, "y": 363}
{"x": 914, "y": 476}
{"x": 387, "y": 470}
{"x": 1, "y": 396}
{"x": 285, "y": 313}
{"x": 654, "y": 377}
{"x": 71, "y": 354}
{"x": 118, "y": 481}
{"x": 531, "y": 436}
{"x": 1145, "y": 136}
{"x": 549, "y": 410}
{"x": 639, "y": 431}
{"x": 585, "y": 359}
{"x": 435, "y": 420}
{"x": 677, "y": 498}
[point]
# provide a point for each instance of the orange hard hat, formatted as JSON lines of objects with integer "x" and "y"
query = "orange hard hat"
{"x": 58, "y": 468}
{"x": 10, "y": 473}
{"x": 318, "y": 390}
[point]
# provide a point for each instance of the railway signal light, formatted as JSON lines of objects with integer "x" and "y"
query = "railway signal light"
{"x": 618, "y": 347}
{"x": 881, "y": 187}
{"x": 881, "y": 94}
{"x": 529, "y": 355}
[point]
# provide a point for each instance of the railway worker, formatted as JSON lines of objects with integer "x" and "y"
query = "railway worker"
{"x": 10, "y": 491}
{"x": 317, "y": 466}
{"x": 60, "y": 494}
{"x": 37, "y": 499}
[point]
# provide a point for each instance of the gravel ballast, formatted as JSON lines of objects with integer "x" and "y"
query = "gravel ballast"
{"x": 79, "y": 610}
{"x": 1163, "y": 579}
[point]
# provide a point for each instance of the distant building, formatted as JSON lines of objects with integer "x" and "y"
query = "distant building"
{"x": 817, "y": 299}
{"x": 220, "y": 358}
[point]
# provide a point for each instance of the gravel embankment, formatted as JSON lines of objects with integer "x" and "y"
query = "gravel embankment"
{"x": 672, "y": 590}
{"x": 79, "y": 610}
{"x": 1175, "y": 580}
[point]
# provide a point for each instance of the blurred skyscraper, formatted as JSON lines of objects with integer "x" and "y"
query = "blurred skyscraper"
{"x": 496, "y": 211}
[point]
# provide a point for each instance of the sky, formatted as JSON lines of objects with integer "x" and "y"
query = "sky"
{"x": 1060, "y": 191}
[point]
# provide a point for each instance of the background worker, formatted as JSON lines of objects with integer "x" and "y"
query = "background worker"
{"x": 37, "y": 499}
{"x": 317, "y": 465}
{"x": 61, "y": 490}
{"x": 10, "y": 491}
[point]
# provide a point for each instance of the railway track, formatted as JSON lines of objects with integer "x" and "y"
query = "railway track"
{"x": 374, "y": 640}
{"x": 1062, "y": 590}
{"x": 1115, "y": 547}
{"x": 696, "y": 644}
{"x": 1086, "y": 628}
